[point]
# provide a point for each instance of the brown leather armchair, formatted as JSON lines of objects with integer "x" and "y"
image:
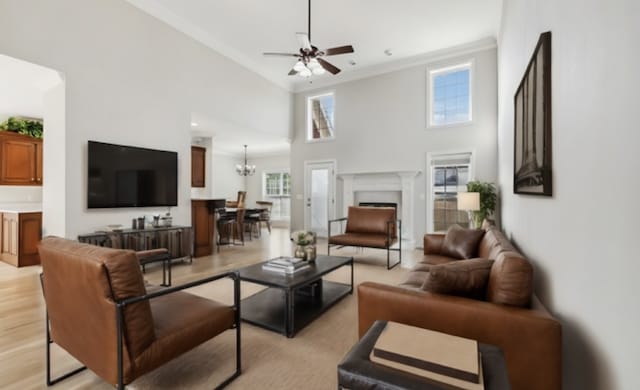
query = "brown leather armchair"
{"x": 99, "y": 311}
{"x": 370, "y": 227}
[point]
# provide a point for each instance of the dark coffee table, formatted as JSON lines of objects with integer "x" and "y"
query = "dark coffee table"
{"x": 291, "y": 302}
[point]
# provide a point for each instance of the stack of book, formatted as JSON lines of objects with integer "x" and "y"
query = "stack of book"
{"x": 452, "y": 361}
{"x": 286, "y": 265}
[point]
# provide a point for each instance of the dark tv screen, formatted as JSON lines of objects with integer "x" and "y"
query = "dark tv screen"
{"x": 127, "y": 176}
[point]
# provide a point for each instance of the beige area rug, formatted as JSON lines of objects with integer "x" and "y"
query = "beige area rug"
{"x": 270, "y": 360}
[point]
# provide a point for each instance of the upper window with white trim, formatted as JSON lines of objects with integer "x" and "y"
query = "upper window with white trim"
{"x": 320, "y": 123}
{"x": 450, "y": 95}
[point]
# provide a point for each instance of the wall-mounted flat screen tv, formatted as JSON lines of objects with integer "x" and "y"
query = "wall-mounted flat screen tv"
{"x": 127, "y": 176}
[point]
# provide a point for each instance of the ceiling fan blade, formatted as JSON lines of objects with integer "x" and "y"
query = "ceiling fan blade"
{"x": 328, "y": 67}
{"x": 282, "y": 54}
{"x": 293, "y": 72}
{"x": 303, "y": 40}
{"x": 338, "y": 50}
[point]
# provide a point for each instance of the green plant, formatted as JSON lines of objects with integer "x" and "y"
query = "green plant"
{"x": 30, "y": 127}
{"x": 488, "y": 200}
{"x": 303, "y": 237}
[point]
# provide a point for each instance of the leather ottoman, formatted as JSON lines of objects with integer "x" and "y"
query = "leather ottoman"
{"x": 357, "y": 372}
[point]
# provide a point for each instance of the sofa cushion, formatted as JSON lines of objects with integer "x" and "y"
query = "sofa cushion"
{"x": 437, "y": 259}
{"x": 421, "y": 267}
{"x": 510, "y": 280}
{"x": 493, "y": 243}
{"x": 182, "y": 321}
{"x": 361, "y": 239}
{"x": 466, "y": 278}
{"x": 415, "y": 280}
{"x": 461, "y": 243}
{"x": 432, "y": 243}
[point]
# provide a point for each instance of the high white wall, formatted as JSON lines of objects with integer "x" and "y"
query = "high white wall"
{"x": 380, "y": 126}
{"x": 279, "y": 162}
{"x": 225, "y": 181}
{"x": 583, "y": 239}
{"x": 132, "y": 80}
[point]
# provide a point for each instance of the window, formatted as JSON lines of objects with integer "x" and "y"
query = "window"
{"x": 320, "y": 114}
{"x": 276, "y": 187}
{"x": 450, "y": 95}
{"x": 449, "y": 175}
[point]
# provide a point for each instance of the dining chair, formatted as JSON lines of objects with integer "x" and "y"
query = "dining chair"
{"x": 265, "y": 213}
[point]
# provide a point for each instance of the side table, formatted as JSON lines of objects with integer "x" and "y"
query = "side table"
{"x": 357, "y": 372}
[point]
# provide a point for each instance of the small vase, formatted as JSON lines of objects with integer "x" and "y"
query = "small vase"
{"x": 300, "y": 253}
{"x": 310, "y": 251}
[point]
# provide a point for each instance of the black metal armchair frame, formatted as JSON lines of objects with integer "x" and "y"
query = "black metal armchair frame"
{"x": 121, "y": 304}
{"x": 389, "y": 238}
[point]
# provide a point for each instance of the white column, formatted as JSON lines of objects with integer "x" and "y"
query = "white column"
{"x": 407, "y": 183}
{"x": 54, "y": 185}
{"x": 347, "y": 193}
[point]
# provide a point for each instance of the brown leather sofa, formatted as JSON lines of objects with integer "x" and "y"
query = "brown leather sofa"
{"x": 510, "y": 316}
{"x": 370, "y": 227}
{"x": 99, "y": 310}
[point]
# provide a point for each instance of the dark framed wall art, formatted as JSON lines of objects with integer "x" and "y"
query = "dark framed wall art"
{"x": 532, "y": 138}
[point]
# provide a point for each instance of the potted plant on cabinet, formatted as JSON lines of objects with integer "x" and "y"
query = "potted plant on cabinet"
{"x": 25, "y": 126}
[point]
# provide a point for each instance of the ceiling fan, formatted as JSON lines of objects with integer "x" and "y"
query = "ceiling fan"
{"x": 310, "y": 59}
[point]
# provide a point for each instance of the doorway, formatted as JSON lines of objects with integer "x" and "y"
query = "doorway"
{"x": 319, "y": 195}
{"x": 32, "y": 107}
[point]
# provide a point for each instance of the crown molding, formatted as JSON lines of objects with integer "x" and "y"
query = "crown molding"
{"x": 421, "y": 59}
{"x": 192, "y": 31}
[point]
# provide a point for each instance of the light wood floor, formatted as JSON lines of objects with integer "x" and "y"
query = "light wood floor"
{"x": 22, "y": 337}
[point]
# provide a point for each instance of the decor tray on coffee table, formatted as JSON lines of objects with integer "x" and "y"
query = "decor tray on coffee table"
{"x": 358, "y": 372}
{"x": 290, "y": 302}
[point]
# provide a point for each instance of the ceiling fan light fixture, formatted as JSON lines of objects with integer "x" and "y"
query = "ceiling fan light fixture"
{"x": 313, "y": 64}
{"x": 310, "y": 60}
{"x": 299, "y": 66}
{"x": 305, "y": 72}
{"x": 318, "y": 71}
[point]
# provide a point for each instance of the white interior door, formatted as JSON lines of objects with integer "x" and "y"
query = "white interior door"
{"x": 319, "y": 195}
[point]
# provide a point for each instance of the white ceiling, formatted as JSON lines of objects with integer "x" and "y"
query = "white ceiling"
{"x": 229, "y": 138}
{"x": 243, "y": 29}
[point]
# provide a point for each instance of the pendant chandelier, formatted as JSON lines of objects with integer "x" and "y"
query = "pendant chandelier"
{"x": 246, "y": 169}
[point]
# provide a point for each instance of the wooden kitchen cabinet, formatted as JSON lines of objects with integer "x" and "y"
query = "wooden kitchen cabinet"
{"x": 20, "y": 160}
{"x": 198, "y": 164}
{"x": 20, "y": 234}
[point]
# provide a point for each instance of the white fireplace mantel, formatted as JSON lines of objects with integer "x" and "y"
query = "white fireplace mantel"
{"x": 403, "y": 181}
